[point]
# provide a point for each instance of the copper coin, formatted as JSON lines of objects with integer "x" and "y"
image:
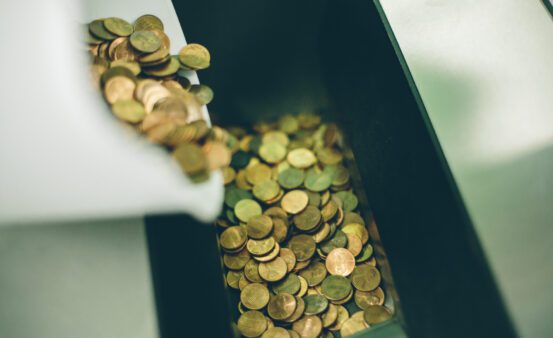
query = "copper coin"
{"x": 340, "y": 262}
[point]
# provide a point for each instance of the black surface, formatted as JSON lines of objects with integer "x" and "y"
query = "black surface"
{"x": 442, "y": 277}
{"x": 274, "y": 57}
{"x": 187, "y": 278}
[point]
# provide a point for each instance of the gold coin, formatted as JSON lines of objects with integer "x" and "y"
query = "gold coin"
{"x": 228, "y": 175}
{"x": 289, "y": 257}
{"x": 274, "y": 270}
{"x": 261, "y": 247}
{"x": 243, "y": 282}
{"x": 295, "y": 201}
{"x": 329, "y": 210}
{"x": 272, "y": 152}
{"x": 275, "y": 136}
{"x": 300, "y": 309}
{"x": 233, "y": 238}
{"x": 301, "y": 158}
{"x": 258, "y": 173}
{"x": 217, "y": 153}
{"x": 119, "y": 88}
{"x": 191, "y": 158}
{"x": 352, "y": 326}
{"x": 194, "y": 56}
{"x": 252, "y": 324}
{"x": 303, "y": 287}
{"x": 293, "y": 334}
{"x": 270, "y": 256}
{"x": 365, "y": 299}
{"x": 276, "y": 332}
{"x": 259, "y": 226}
{"x": 280, "y": 229}
{"x": 98, "y": 30}
{"x": 129, "y": 110}
{"x": 134, "y": 67}
{"x": 376, "y": 314}
{"x": 322, "y": 234}
{"x": 314, "y": 273}
{"x": 159, "y": 55}
{"x": 308, "y": 219}
{"x": 365, "y": 278}
{"x": 232, "y": 278}
{"x": 170, "y": 68}
{"x": 282, "y": 306}
{"x": 148, "y": 22}
{"x": 340, "y": 262}
{"x": 246, "y": 209}
{"x": 251, "y": 271}
{"x": 202, "y": 93}
{"x": 303, "y": 247}
{"x": 330, "y": 316}
{"x": 343, "y": 315}
{"x": 359, "y": 315}
{"x": 236, "y": 261}
{"x": 357, "y": 229}
{"x": 354, "y": 244}
{"x": 266, "y": 190}
{"x": 145, "y": 41}
{"x": 255, "y": 296}
{"x": 118, "y": 26}
{"x": 308, "y": 327}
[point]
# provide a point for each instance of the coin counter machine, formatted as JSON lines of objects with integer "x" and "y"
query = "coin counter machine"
{"x": 341, "y": 59}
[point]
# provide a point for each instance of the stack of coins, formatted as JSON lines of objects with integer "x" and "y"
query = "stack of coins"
{"x": 148, "y": 89}
{"x": 294, "y": 244}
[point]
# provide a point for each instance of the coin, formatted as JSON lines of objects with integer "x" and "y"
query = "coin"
{"x": 251, "y": 271}
{"x": 294, "y": 201}
{"x": 355, "y": 246}
{"x": 352, "y": 326}
{"x": 191, "y": 158}
{"x": 364, "y": 299}
{"x": 339, "y": 240}
{"x": 290, "y": 284}
{"x": 119, "y": 88}
{"x": 343, "y": 315}
{"x": 255, "y": 296}
{"x": 317, "y": 181}
{"x": 98, "y": 30}
{"x": 233, "y": 238}
{"x": 365, "y": 278}
{"x": 259, "y": 226}
{"x": 252, "y": 324}
{"x": 300, "y": 308}
{"x": 303, "y": 247}
{"x": 202, "y": 93}
{"x": 145, "y": 41}
{"x": 301, "y": 158}
{"x": 246, "y": 209}
{"x": 291, "y": 178}
{"x": 308, "y": 219}
{"x": 128, "y": 110}
{"x": 340, "y": 262}
{"x": 308, "y": 327}
{"x": 281, "y": 306}
{"x": 376, "y": 314}
{"x": 314, "y": 274}
{"x": 303, "y": 287}
{"x": 232, "y": 278}
{"x": 330, "y": 316}
{"x": 336, "y": 287}
{"x": 276, "y": 332}
{"x": 357, "y": 229}
{"x": 365, "y": 254}
{"x": 236, "y": 261}
{"x": 272, "y": 152}
{"x": 274, "y": 270}
{"x": 118, "y": 26}
{"x": 261, "y": 247}
{"x": 148, "y": 22}
{"x": 194, "y": 56}
{"x": 315, "y": 304}
{"x": 270, "y": 256}
{"x": 289, "y": 257}
{"x": 258, "y": 173}
{"x": 266, "y": 190}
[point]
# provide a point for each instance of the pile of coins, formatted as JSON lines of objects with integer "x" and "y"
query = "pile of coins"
{"x": 293, "y": 242}
{"x": 148, "y": 89}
